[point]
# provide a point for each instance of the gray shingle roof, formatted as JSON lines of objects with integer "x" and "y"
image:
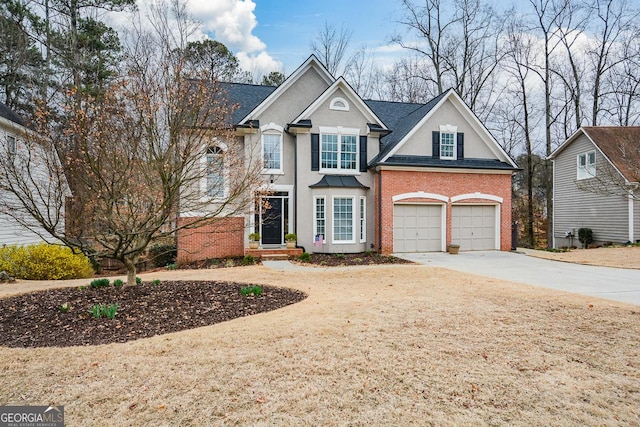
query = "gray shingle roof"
{"x": 245, "y": 97}
{"x": 338, "y": 181}
{"x": 466, "y": 163}
{"x": 10, "y": 115}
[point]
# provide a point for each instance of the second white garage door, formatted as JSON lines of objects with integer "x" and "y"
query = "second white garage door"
{"x": 473, "y": 227}
{"x": 417, "y": 228}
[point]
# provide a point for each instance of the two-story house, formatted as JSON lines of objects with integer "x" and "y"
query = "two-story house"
{"x": 350, "y": 175}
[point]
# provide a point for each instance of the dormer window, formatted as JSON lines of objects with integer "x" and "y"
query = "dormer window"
{"x": 339, "y": 104}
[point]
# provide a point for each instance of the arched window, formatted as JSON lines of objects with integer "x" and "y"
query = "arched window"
{"x": 215, "y": 171}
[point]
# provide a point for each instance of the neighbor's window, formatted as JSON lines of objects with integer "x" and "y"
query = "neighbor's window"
{"x": 339, "y": 149}
{"x": 215, "y": 172}
{"x": 363, "y": 219}
{"x": 272, "y": 152}
{"x": 343, "y": 220}
{"x": 320, "y": 217}
{"x": 11, "y": 144}
{"x": 587, "y": 165}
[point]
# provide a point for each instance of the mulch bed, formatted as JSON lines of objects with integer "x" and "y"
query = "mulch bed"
{"x": 36, "y": 320}
{"x": 342, "y": 260}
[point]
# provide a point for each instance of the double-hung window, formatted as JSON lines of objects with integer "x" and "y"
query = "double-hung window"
{"x": 272, "y": 148}
{"x": 343, "y": 220}
{"x": 587, "y": 165}
{"x": 339, "y": 149}
{"x": 319, "y": 225}
{"x": 363, "y": 219}
{"x": 215, "y": 172}
{"x": 448, "y": 148}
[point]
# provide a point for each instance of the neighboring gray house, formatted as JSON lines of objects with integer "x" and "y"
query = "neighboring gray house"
{"x": 12, "y": 135}
{"x": 595, "y": 185}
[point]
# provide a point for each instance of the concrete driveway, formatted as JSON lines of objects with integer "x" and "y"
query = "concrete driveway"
{"x": 603, "y": 282}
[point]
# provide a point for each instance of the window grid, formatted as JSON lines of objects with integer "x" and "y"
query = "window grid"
{"x": 329, "y": 151}
{"x": 587, "y": 165}
{"x": 215, "y": 170}
{"x": 348, "y": 153}
{"x": 271, "y": 147}
{"x": 320, "y": 217}
{"x": 343, "y": 219}
{"x": 447, "y": 143}
{"x": 363, "y": 220}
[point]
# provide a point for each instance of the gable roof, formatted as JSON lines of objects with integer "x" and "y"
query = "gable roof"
{"x": 620, "y": 145}
{"x": 341, "y": 83}
{"x": 10, "y": 115}
{"x": 311, "y": 62}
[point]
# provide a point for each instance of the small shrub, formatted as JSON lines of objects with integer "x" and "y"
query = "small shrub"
{"x": 248, "y": 260}
{"x": 100, "y": 283}
{"x": 162, "y": 255}
{"x": 172, "y": 266}
{"x": 82, "y": 288}
{"x": 254, "y": 237}
{"x": 305, "y": 257}
{"x": 44, "y": 262}
{"x": 251, "y": 290}
{"x": 585, "y": 236}
{"x": 138, "y": 280}
{"x": 290, "y": 237}
{"x": 368, "y": 253}
{"x": 156, "y": 282}
{"x": 118, "y": 283}
{"x": 229, "y": 263}
{"x": 339, "y": 256}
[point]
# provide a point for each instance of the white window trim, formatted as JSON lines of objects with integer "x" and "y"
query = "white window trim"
{"x": 204, "y": 187}
{"x": 272, "y": 129}
{"x": 453, "y": 130}
{"x": 340, "y": 131}
{"x": 353, "y": 221}
{"x": 315, "y": 218}
{"x": 362, "y": 220}
{"x": 588, "y": 170}
{"x": 339, "y": 104}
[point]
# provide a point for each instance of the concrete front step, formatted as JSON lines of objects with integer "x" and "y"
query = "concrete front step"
{"x": 275, "y": 257}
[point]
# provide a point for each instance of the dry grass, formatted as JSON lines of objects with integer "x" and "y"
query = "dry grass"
{"x": 621, "y": 257}
{"x": 391, "y": 345}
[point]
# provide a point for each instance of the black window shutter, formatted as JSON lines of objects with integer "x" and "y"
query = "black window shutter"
{"x": 460, "y": 146}
{"x": 363, "y": 153}
{"x": 315, "y": 152}
{"x": 436, "y": 144}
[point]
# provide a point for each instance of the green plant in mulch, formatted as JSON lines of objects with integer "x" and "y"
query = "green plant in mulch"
{"x": 118, "y": 283}
{"x": 156, "y": 282}
{"x": 305, "y": 257}
{"x": 100, "y": 283}
{"x": 65, "y": 307}
{"x": 103, "y": 310}
{"x": 248, "y": 260}
{"x": 138, "y": 280}
{"x": 251, "y": 290}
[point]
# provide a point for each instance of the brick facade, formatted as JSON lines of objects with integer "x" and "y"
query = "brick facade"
{"x": 447, "y": 184}
{"x": 222, "y": 238}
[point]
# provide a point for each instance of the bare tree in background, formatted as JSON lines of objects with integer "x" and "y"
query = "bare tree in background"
{"x": 142, "y": 155}
{"x": 330, "y": 46}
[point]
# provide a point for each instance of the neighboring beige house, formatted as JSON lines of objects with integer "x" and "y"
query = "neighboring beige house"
{"x": 595, "y": 185}
{"x": 12, "y": 134}
{"x": 350, "y": 175}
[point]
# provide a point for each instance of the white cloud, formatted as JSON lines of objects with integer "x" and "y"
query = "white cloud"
{"x": 260, "y": 64}
{"x": 231, "y": 22}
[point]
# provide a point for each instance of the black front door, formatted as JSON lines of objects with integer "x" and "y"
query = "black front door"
{"x": 272, "y": 222}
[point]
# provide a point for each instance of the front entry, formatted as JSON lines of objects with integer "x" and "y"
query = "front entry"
{"x": 274, "y": 218}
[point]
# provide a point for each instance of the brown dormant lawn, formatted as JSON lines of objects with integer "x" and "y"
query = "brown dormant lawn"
{"x": 384, "y": 345}
{"x": 621, "y": 257}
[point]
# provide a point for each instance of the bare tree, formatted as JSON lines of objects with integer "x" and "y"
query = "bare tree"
{"x": 330, "y": 46}
{"x": 142, "y": 156}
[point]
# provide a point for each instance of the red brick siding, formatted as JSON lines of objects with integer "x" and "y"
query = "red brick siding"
{"x": 445, "y": 184}
{"x": 223, "y": 238}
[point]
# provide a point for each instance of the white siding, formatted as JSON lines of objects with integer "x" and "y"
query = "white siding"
{"x": 606, "y": 215}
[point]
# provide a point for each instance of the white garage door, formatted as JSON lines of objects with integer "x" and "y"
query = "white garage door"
{"x": 417, "y": 228}
{"x": 474, "y": 227}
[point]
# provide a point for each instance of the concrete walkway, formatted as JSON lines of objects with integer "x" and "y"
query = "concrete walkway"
{"x": 603, "y": 282}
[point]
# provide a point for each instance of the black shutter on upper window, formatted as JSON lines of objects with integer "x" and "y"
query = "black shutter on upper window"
{"x": 315, "y": 151}
{"x": 460, "y": 148}
{"x": 363, "y": 153}
{"x": 435, "y": 135}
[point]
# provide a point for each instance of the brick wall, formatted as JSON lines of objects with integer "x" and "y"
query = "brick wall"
{"x": 222, "y": 238}
{"x": 445, "y": 184}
